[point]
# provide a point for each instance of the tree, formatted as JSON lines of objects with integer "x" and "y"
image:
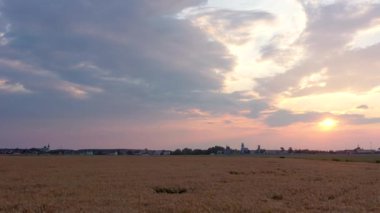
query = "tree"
{"x": 187, "y": 151}
{"x": 290, "y": 150}
{"x": 177, "y": 152}
{"x": 215, "y": 150}
{"x": 198, "y": 152}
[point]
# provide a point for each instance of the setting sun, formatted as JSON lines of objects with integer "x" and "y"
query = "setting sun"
{"x": 328, "y": 124}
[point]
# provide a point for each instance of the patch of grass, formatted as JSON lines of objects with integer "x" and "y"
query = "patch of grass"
{"x": 335, "y": 159}
{"x": 377, "y": 161}
{"x": 235, "y": 173}
{"x": 331, "y": 197}
{"x": 170, "y": 190}
{"x": 282, "y": 156}
{"x": 277, "y": 197}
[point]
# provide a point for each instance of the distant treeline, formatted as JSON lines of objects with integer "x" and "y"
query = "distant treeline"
{"x": 209, "y": 151}
{"x": 215, "y": 150}
{"x": 228, "y": 150}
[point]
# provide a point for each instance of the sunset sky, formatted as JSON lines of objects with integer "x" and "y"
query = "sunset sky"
{"x": 168, "y": 74}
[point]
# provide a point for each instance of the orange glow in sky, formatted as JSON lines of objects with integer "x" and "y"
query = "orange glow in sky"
{"x": 328, "y": 124}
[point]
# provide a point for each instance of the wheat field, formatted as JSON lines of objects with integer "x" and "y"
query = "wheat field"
{"x": 186, "y": 184}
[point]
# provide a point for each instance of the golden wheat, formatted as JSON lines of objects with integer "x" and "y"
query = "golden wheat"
{"x": 186, "y": 184}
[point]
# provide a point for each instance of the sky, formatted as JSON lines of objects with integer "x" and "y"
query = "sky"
{"x": 169, "y": 74}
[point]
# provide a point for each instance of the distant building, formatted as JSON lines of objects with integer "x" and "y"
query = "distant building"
{"x": 243, "y": 149}
{"x": 227, "y": 150}
{"x": 62, "y": 152}
{"x": 86, "y": 152}
{"x": 157, "y": 152}
{"x": 46, "y": 148}
{"x": 165, "y": 152}
{"x": 359, "y": 150}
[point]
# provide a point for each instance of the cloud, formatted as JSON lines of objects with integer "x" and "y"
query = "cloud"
{"x": 256, "y": 108}
{"x": 78, "y": 91}
{"x": 362, "y": 107}
{"x": 8, "y": 87}
{"x": 229, "y": 26}
{"x": 193, "y": 113}
{"x": 366, "y": 37}
{"x": 359, "y": 119}
{"x": 281, "y": 118}
{"x": 246, "y": 29}
{"x": 331, "y": 27}
{"x": 116, "y": 56}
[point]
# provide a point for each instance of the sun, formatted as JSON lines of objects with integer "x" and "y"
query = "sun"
{"x": 328, "y": 124}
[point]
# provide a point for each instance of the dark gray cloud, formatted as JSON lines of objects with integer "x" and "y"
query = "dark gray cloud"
{"x": 100, "y": 58}
{"x": 257, "y": 107}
